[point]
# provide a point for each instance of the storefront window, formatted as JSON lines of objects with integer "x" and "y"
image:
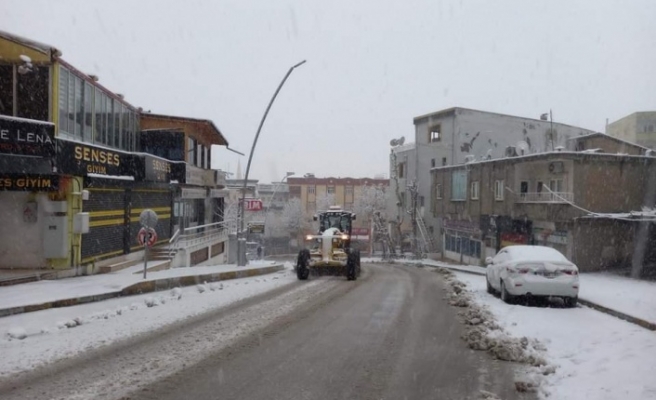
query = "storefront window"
{"x": 63, "y": 99}
{"x": 6, "y": 89}
{"x": 100, "y": 116}
{"x": 32, "y": 93}
{"x": 88, "y": 113}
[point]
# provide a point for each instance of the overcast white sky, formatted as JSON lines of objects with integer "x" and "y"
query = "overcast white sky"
{"x": 372, "y": 66}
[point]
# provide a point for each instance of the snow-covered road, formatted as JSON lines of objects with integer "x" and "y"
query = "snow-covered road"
{"x": 596, "y": 356}
{"x": 62, "y": 333}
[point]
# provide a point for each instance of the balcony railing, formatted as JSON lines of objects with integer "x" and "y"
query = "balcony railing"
{"x": 545, "y": 197}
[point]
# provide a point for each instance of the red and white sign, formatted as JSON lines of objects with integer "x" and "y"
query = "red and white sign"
{"x": 253, "y": 204}
{"x": 147, "y": 237}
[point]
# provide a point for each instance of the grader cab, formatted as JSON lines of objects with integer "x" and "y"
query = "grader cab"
{"x": 329, "y": 252}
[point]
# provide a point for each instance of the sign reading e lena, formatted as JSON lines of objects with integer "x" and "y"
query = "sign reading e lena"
{"x": 85, "y": 159}
{"x": 28, "y": 182}
{"x": 26, "y": 137}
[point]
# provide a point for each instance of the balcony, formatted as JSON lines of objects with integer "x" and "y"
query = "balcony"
{"x": 545, "y": 197}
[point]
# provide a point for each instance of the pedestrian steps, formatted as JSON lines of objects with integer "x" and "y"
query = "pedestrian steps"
{"x": 154, "y": 254}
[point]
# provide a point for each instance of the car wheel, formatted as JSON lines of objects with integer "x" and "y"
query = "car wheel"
{"x": 505, "y": 296}
{"x": 570, "y": 302}
{"x": 490, "y": 289}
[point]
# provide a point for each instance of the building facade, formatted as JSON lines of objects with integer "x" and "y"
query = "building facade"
{"x": 555, "y": 199}
{"x": 75, "y": 176}
{"x": 317, "y": 194}
{"x": 639, "y": 128}
{"x": 458, "y": 135}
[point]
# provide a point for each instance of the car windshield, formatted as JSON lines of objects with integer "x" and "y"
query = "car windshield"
{"x": 311, "y": 199}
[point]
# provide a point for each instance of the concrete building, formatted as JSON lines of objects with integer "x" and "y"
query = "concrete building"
{"x": 639, "y": 128}
{"x": 74, "y": 175}
{"x": 317, "y": 194}
{"x": 458, "y": 135}
{"x": 539, "y": 199}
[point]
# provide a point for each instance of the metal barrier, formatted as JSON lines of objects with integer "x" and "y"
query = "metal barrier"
{"x": 198, "y": 235}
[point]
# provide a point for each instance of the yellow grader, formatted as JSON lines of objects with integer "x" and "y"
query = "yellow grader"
{"x": 330, "y": 251}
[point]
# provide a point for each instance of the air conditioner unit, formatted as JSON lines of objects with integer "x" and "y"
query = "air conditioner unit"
{"x": 556, "y": 167}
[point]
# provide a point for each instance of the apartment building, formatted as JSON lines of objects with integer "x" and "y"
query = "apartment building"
{"x": 457, "y": 135}
{"x": 567, "y": 200}
{"x": 318, "y": 194}
{"x": 639, "y": 128}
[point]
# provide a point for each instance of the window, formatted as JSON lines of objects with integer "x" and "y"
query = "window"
{"x": 349, "y": 190}
{"x": 435, "y": 133}
{"x": 523, "y": 187}
{"x": 6, "y": 90}
{"x": 459, "y": 185}
{"x": 401, "y": 169}
{"x": 311, "y": 189}
{"x": 330, "y": 189}
{"x": 432, "y": 163}
{"x": 443, "y": 161}
{"x": 438, "y": 191}
{"x": 421, "y": 201}
{"x": 87, "y": 126}
{"x": 63, "y": 99}
{"x": 539, "y": 187}
{"x": 402, "y": 197}
{"x": 191, "y": 150}
{"x": 556, "y": 185}
{"x": 498, "y": 190}
{"x": 32, "y": 93}
{"x": 474, "y": 190}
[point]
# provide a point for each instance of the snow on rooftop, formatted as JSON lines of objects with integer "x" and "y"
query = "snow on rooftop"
{"x": 32, "y": 121}
{"x": 645, "y": 214}
{"x": 119, "y": 177}
{"x": 527, "y": 157}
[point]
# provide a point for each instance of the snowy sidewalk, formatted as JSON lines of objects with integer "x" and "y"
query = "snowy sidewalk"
{"x": 629, "y": 299}
{"x": 46, "y": 294}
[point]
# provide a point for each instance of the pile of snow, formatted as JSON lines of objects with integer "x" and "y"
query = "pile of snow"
{"x": 17, "y": 333}
{"x": 483, "y": 333}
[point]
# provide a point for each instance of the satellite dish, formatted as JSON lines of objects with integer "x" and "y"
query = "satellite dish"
{"x": 394, "y": 142}
{"x": 521, "y": 147}
{"x": 401, "y": 140}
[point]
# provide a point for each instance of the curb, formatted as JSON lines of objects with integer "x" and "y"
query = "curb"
{"x": 144, "y": 287}
{"x": 613, "y": 313}
{"x": 617, "y": 314}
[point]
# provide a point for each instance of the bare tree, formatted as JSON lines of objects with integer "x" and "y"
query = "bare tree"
{"x": 372, "y": 200}
{"x": 325, "y": 201}
{"x": 292, "y": 216}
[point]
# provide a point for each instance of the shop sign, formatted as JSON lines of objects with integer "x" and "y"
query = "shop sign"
{"x": 26, "y": 137}
{"x": 28, "y": 182}
{"x": 550, "y": 236}
{"x": 83, "y": 159}
{"x": 256, "y": 227}
{"x": 509, "y": 239}
{"x": 253, "y": 204}
{"x": 194, "y": 176}
{"x": 157, "y": 170}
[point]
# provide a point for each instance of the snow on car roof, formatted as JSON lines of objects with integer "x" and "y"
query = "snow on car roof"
{"x": 535, "y": 253}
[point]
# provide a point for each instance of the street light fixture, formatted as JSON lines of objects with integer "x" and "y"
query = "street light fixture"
{"x": 241, "y": 240}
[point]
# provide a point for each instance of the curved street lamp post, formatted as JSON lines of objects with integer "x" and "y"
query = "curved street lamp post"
{"x": 241, "y": 241}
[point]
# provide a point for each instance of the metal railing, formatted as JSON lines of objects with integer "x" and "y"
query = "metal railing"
{"x": 545, "y": 197}
{"x": 198, "y": 235}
